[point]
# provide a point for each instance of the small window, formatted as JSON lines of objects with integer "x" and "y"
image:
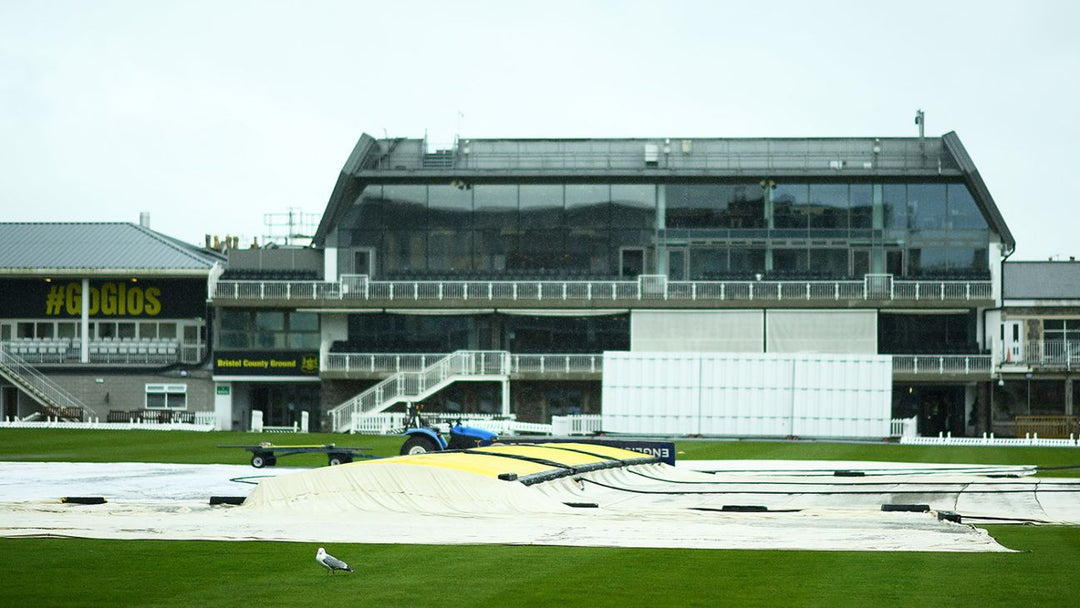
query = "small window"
{"x": 166, "y": 396}
{"x": 125, "y": 330}
{"x": 148, "y": 331}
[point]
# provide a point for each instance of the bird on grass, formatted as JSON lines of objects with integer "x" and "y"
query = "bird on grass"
{"x": 332, "y": 563}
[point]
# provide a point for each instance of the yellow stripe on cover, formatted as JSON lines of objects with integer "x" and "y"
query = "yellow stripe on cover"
{"x": 480, "y": 464}
{"x": 546, "y": 452}
{"x": 602, "y": 450}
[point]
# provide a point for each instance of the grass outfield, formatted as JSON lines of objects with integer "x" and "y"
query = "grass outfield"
{"x": 77, "y": 572}
{"x": 62, "y": 445}
{"x": 80, "y": 572}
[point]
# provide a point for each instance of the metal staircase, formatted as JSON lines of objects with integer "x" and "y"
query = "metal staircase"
{"x": 470, "y": 365}
{"x": 55, "y": 401}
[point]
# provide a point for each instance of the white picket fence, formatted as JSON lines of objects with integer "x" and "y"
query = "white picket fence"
{"x": 204, "y": 421}
{"x": 579, "y": 424}
{"x": 989, "y": 440}
{"x": 393, "y": 423}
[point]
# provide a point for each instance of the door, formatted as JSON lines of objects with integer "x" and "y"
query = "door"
{"x": 631, "y": 263}
{"x": 894, "y": 262}
{"x": 860, "y": 263}
{"x": 1012, "y": 340}
{"x": 676, "y": 264}
{"x": 9, "y": 402}
{"x": 364, "y": 261}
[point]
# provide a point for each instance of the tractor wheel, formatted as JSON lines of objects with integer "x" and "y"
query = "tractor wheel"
{"x": 262, "y": 460}
{"x": 418, "y": 444}
{"x": 336, "y": 459}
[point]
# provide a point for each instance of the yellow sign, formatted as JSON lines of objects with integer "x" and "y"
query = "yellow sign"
{"x": 116, "y": 298}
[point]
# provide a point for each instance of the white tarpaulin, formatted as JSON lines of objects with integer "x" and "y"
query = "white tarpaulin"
{"x": 391, "y": 501}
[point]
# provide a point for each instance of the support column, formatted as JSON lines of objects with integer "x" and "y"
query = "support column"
{"x": 1069, "y": 407}
{"x": 505, "y": 396}
{"x": 982, "y": 409}
{"x": 84, "y": 314}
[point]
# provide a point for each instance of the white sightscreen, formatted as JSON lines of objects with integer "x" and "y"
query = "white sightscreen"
{"x": 747, "y": 394}
{"x": 821, "y": 331}
{"x": 692, "y": 330}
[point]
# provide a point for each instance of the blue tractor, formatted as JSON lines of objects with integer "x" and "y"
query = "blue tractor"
{"x": 423, "y": 437}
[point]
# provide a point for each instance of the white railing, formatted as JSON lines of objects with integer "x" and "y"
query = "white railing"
{"x": 112, "y": 351}
{"x": 942, "y": 364}
{"x": 379, "y": 363}
{"x": 394, "y": 423}
{"x": 557, "y": 364}
{"x": 576, "y": 424}
{"x": 990, "y": 440}
{"x": 383, "y": 363}
{"x": 904, "y": 427}
{"x": 644, "y": 288}
{"x": 34, "y": 380}
{"x": 415, "y": 385}
{"x": 204, "y": 421}
{"x": 386, "y": 363}
{"x": 1058, "y": 354}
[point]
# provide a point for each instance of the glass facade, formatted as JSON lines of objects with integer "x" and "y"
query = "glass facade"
{"x": 418, "y": 333}
{"x": 786, "y": 229}
{"x": 267, "y": 330}
{"x": 928, "y": 334}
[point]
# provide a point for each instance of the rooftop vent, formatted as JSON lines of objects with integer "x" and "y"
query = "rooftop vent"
{"x": 652, "y": 154}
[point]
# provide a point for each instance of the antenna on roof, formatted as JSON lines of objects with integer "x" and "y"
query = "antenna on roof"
{"x": 293, "y": 227}
{"x": 920, "y": 119}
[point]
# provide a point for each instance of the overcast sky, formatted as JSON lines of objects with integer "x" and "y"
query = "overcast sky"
{"x": 209, "y": 115}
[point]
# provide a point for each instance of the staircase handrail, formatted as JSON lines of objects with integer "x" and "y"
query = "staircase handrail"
{"x": 418, "y": 384}
{"x": 37, "y": 382}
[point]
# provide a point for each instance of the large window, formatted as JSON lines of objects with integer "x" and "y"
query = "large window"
{"x": 829, "y": 206}
{"x": 495, "y": 206}
{"x": 562, "y": 335}
{"x": 714, "y": 206}
{"x": 166, "y": 396}
{"x": 697, "y": 206}
{"x": 405, "y": 206}
{"x": 862, "y": 206}
{"x": 588, "y": 206}
{"x": 449, "y": 207}
{"x": 268, "y": 330}
{"x": 791, "y": 206}
{"x": 927, "y": 205}
{"x": 927, "y": 334}
{"x": 1061, "y": 329}
{"x": 894, "y": 207}
{"x": 442, "y": 231}
{"x": 633, "y": 206}
{"x": 963, "y": 212}
{"x": 373, "y": 333}
{"x": 541, "y": 206}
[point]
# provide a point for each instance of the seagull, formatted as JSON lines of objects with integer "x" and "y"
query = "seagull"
{"x": 332, "y": 563}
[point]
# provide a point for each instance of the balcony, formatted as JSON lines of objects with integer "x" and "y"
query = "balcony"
{"x": 591, "y": 366}
{"x": 1044, "y": 355}
{"x": 959, "y": 367}
{"x": 379, "y": 365}
{"x": 106, "y": 351}
{"x": 647, "y": 291}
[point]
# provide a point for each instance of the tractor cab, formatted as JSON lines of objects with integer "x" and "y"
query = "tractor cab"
{"x": 425, "y": 437}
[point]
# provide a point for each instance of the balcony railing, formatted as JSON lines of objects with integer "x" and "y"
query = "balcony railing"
{"x": 1049, "y": 354}
{"x": 942, "y": 365}
{"x": 383, "y": 363}
{"x": 554, "y": 364}
{"x": 106, "y": 351}
{"x": 646, "y": 288}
